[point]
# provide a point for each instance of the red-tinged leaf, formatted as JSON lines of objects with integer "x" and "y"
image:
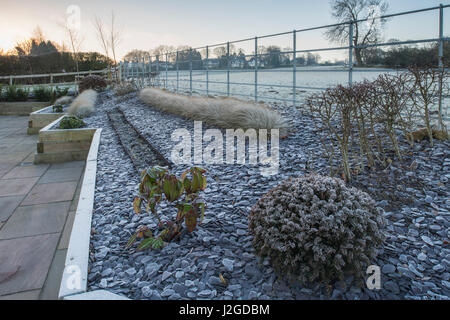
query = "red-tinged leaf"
{"x": 137, "y": 204}
{"x": 191, "y": 220}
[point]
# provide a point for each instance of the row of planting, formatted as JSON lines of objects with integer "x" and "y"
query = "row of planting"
{"x": 14, "y": 93}
{"x": 372, "y": 114}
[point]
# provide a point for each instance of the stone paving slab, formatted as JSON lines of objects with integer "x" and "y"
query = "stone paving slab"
{"x": 53, "y": 281}
{"x": 35, "y": 220}
{"x": 24, "y": 262}
{"x": 65, "y": 236}
{"x": 26, "y": 295}
{"x": 26, "y": 171}
{"x": 14, "y": 157}
{"x": 62, "y": 175}
{"x": 8, "y": 205}
{"x": 34, "y": 215}
{"x": 17, "y": 187}
{"x": 51, "y": 192}
{"x": 72, "y": 164}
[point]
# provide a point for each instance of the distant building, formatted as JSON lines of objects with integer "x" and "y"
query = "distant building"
{"x": 211, "y": 63}
{"x": 251, "y": 63}
{"x": 162, "y": 65}
{"x": 237, "y": 63}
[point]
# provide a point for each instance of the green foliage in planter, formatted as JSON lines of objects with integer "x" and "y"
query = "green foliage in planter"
{"x": 71, "y": 122}
{"x": 315, "y": 228}
{"x": 92, "y": 82}
{"x": 57, "y": 108}
{"x": 43, "y": 93}
{"x": 12, "y": 94}
{"x": 158, "y": 184}
{"x": 61, "y": 92}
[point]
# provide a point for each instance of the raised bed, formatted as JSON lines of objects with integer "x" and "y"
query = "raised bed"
{"x": 63, "y": 145}
{"x": 21, "y": 108}
{"x": 41, "y": 118}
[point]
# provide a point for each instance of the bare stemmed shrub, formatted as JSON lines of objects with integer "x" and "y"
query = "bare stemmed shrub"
{"x": 334, "y": 109}
{"x": 391, "y": 99}
{"x": 363, "y": 115}
{"x": 425, "y": 94}
{"x": 321, "y": 109}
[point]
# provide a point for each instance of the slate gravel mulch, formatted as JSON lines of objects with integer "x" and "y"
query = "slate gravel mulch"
{"x": 415, "y": 259}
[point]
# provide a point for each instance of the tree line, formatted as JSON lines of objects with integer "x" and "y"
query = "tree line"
{"x": 42, "y": 57}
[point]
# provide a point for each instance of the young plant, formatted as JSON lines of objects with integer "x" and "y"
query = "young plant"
{"x": 427, "y": 89}
{"x": 156, "y": 185}
{"x": 392, "y": 100}
{"x": 57, "y": 108}
{"x": 43, "y": 94}
{"x": 22, "y": 94}
{"x": 71, "y": 122}
{"x": 61, "y": 92}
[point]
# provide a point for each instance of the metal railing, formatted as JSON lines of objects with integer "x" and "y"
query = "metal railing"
{"x": 155, "y": 71}
{"x": 51, "y": 77}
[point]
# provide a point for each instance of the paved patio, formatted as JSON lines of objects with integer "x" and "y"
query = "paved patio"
{"x": 37, "y": 209}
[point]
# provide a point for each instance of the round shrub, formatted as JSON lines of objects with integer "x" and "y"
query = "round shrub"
{"x": 315, "y": 228}
{"x": 71, "y": 122}
{"x": 92, "y": 82}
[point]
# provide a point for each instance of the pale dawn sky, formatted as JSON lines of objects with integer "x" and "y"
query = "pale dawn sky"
{"x": 147, "y": 24}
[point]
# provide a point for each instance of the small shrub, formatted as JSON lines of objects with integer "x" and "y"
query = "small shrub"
{"x": 316, "y": 228}
{"x": 71, "y": 122}
{"x": 157, "y": 183}
{"x": 57, "y": 108}
{"x": 61, "y": 92}
{"x": 125, "y": 88}
{"x": 94, "y": 82}
{"x": 12, "y": 93}
{"x": 42, "y": 93}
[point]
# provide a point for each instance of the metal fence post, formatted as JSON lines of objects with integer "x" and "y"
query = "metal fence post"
{"x": 178, "y": 75}
{"x": 157, "y": 69}
{"x": 167, "y": 61}
{"x": 228, "y": 69}
{"x": 150, "y": 70}
{"x": 143, "y": 72}
{"x": 256, "y": 69}
{"x": 350, "y": 54}
{"x": 207, "y": 71}
{"x": 120, "y": 71}
{"x": 190, "y": 71}
{"x": 294, "y": 70}
{"x": 441, "y": 57}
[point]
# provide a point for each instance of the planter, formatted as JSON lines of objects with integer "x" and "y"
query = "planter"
{"x": 41, "y": 118}
{"x": 21, "y": 108}
{"x": 63, "y": 145}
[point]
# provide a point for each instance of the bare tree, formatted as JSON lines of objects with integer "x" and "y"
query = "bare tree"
{"x": 365, "y": 32}
{"x": 103, "y": 38}
{"x": 115, "y": 37}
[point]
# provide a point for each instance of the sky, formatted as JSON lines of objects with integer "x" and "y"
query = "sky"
{"x": 145, "y": 24}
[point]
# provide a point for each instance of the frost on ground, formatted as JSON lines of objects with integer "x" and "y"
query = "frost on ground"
{"x": 415, "y": 258}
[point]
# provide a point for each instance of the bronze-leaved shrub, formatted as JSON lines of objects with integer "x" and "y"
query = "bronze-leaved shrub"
{"x": 315, "y": 228}
{"x": 92, "y": 82}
